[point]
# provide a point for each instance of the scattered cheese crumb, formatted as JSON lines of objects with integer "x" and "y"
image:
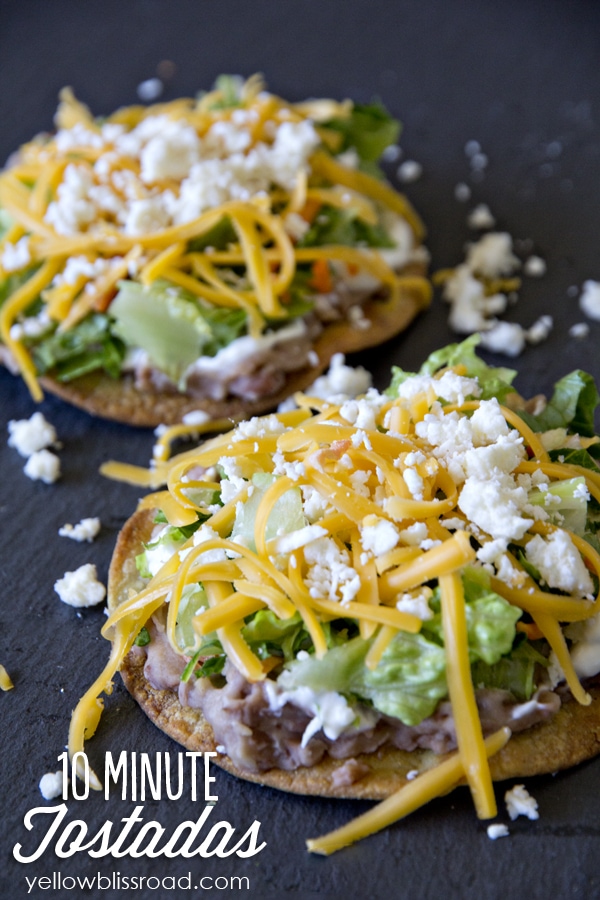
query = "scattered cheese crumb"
{"x": 481, "y": 218}
{"x": 150, "y": 89}
{"x": 196, "y": 417}
{"x": 51, "y": 785}
{"x": 462, "y": 192}
{"x": 81, "y": 587}
{"x": 519, "y": 802}
{"x": 535, "y": 266}
{"x": 410, "y": 170}
{"x": 589, "y": 301}
{"x": 43, "y": 466}
{"x": 580, "y": 330}
{"x": 28, "y": 436}
{"x": 497, "y": 830}
{"x": 85, "y": 530}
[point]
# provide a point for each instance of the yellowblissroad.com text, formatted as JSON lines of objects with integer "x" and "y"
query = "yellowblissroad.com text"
{"x": 116, "y": 881}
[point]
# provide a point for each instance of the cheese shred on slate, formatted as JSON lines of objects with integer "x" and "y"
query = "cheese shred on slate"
{"x": 411, "y": 540}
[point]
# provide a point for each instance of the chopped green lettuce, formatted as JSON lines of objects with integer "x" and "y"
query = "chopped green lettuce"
{"x": 339, "y": 226}
{"x": 87, "y": 347}
{"x": 565, "y": 502}
{"x": 171, "y": 325}
{"x": 287, "y": 514}
{"x": 369, "y": 129}
{"x": 571, "y": 406}
{"x": 410, "y": 679}
{"x": 494, "y": 382}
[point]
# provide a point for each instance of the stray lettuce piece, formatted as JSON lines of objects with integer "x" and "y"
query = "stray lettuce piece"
{"x": 514, "y": 673}
{"x": 490, "y": 618}
{"x": 219, "y": 236}
{"x": 339, "y": 226}
{"x": 409, "y": 681}
{"x": 286, "y": 515}
{"x": 369, "y": 129}
{"x": 193, "y": 601}
{"x": 336, "y": 671}
{"x": 13, "y": 282}
{"x": 230, "y": 89}
{"x": 268, "y": 635}
{"x": 572, "y": 406}
{"x": 494, "y": 382}
{"x": 86, "y": 347}
{"x": 565, "y": 502}
{"x": 171, "y": 325}
{"x": 143, "y": 637}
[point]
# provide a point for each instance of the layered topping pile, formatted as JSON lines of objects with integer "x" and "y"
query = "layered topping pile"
{"x": 382, "y": 556}
{"x": 163, "y": 234}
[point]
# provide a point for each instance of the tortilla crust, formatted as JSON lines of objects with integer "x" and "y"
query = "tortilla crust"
{"x": 569, "y": 738}
{"x": 119, "y": 399}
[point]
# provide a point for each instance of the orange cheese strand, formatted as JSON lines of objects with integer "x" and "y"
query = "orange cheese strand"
{"x": 469, "y": 736}
{"x": 427, "y": 786}
{"x": 453, "y": 554}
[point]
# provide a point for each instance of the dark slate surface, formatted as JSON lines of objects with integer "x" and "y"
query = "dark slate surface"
{"x": 516, "y": 77}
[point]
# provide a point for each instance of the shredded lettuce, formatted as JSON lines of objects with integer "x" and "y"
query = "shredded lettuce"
{"x": 338, "y": 226}
{"x": 494, "y": 382}
{"x": 171, "y": 325}
{"x": 410, "y": 679}
{"x": 571, "y": 406}
{"x": 87, "y": 347}
{"x": 565, "y": 502}
{"x": 369, "y": 129}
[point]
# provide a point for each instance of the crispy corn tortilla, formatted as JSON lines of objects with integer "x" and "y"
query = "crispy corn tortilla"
{"x": 119, "y": 399}
{"x": 570, "y": 737}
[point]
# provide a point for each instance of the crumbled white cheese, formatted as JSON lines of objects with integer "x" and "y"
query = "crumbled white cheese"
{"x": 535, "y": 266}
{"x": 85, "y": 530}
{"x": 579, "y": 331}
{"x": 410, "y": 170}
{"x": 72, "y": 211}
{"x": 32, "y": 326}
{"x": 150, "y": 89}
{"x": 51, "y": 785}
{"x": 492, "y": 255}
{"x": 559, "y": 563}
{"x": 330, "y": 574}
{"x": 28, "y": 436}
{"x": 462, "y": 192}
{"x": 497, "y": 830}
{"x": 495, "y": 505}
{"x": 589, "y": 301}
{"x": 341, "y": 382}
{"x": 504, "y": 337}
{"x": 258, "y": 426}
{"x": 43, "y": 466}
{"x": 481, "y": 218}
{"x": 81, "y": 587}
{"x": 416, "y": 603}
{"x": 196, "y": 417}
{"x": 287, "y": 543}
{"x": 378, "y": 536}
{"x": 16, "y": 256}
{"x": 540, "y": 330}
{"x": 519, "y": 802}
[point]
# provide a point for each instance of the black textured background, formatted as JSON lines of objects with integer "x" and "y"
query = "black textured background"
{"x": 515, "y": 76}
